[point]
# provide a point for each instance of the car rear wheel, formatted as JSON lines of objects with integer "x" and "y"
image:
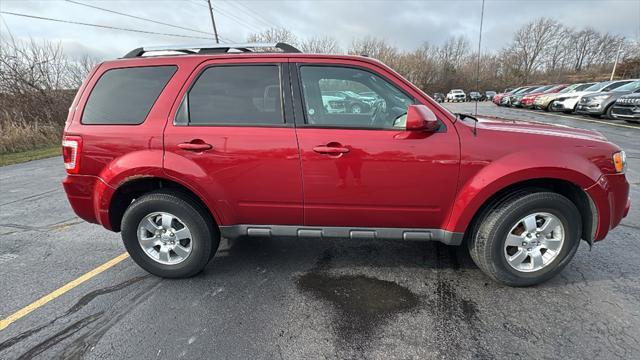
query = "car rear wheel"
{"x": 169, "y": 234}
{"x": 356, "y": 109}
{"x": 526, "y": 239}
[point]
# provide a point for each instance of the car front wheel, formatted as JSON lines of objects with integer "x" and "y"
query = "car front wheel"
{"x": 527, "y": 239}
{"x": 169, "y": 234}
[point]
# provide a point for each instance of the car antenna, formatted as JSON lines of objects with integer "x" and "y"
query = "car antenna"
{"x": 478, "y": 64}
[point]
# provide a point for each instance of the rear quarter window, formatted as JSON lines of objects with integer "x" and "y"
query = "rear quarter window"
{"x": 125, "y": 96}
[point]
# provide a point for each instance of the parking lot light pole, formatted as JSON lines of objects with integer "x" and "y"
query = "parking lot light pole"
{"x": 615, "y": 63}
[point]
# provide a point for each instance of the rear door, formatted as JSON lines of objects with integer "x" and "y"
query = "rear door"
{"x": 363, "y": 169}
{"x": 231, "y": 138}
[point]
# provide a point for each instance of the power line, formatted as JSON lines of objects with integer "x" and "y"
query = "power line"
{"x": 235, "y": 18}
{"x": 135, "y": 17}
{"x": 248, "y": 11}
{"x": 102, "y": 26}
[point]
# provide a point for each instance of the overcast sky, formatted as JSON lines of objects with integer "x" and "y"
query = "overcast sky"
{"x": 405, "y": 24}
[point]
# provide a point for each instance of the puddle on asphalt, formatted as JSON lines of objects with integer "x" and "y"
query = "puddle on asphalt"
{"x": 363, "y": 302}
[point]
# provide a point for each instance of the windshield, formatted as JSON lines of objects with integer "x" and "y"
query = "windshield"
{"x": 615, "y": 85}
{"x": 542, "y": 88}
{"x": 568, "y": 88}
{"x": 632, "y": 86}
{"x": 597, "y": 86}
{"x": 583, "y": 86}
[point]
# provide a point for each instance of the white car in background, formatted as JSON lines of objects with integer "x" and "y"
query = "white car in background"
{"x": 456, "y": 95}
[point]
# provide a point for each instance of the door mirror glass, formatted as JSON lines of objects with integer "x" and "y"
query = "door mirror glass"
{"x": 421, "y": 118}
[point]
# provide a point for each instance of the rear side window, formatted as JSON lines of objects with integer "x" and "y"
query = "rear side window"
{"x": 234, "y": 95}
{"x": 125, "y": 96}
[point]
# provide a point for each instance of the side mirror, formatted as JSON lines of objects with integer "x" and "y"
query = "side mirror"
{"x": 421, "y": 118}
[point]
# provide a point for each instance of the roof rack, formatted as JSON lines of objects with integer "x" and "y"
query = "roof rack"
{"x": 211, "y": 48}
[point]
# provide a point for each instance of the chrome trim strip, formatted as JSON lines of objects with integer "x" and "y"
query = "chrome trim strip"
{"x": 335, "y": 232}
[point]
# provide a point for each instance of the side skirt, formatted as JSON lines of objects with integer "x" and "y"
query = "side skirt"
{"x": 333, "y": 232}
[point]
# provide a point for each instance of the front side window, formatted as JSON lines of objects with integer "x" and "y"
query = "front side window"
{"x": 351, "y": 98}
{"x": 125, "y": 96}
{"x": 234, "y": 95}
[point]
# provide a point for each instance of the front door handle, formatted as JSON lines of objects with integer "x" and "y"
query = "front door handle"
{"x": 333, "y": 150}
{"x": 195, "y": 145}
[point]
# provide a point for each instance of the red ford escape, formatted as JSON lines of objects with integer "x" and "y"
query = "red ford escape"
{"x": 177, "y": 146}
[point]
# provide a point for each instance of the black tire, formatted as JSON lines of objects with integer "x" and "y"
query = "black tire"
{"x": 486, "y": 242}
{"x": 356, "y": 109}
{"x": 205, "y": 237}
{"x": 607, "y": 112}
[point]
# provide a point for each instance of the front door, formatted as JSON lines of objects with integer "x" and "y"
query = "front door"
{"x": 230, "y": 140}
{"x": 360, "y": 167}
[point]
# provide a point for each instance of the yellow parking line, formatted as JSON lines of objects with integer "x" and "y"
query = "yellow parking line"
{"x": 60, "y": 291}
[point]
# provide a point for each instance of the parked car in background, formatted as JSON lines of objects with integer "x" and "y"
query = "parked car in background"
{"x": 527, "y": 100}
{"x": 516, "y": 100}
{"x": 456, "y": 95}
{"x": 475, "y": 96}
{"x": 506, "y": 100}
{"x": 497, "y": 99}
{"x": 568, "y": 102}
{"x": 542, "y": 102}
{"x": 354, "y": 103}
{"x": 627, "y": 108}
{"x": 488, "y": 95}
{"x": 439, "y": 97}
{"x": 600, "y": 104}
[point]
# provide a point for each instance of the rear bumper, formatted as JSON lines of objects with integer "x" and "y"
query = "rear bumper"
{"x": 610, "y": 195}
{"x": 85, "y": 194}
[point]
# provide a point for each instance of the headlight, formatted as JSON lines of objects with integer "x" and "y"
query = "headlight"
{"x": 620, "y": 161}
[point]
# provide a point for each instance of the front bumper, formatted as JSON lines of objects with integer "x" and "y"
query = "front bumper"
{"x": 564, "y": 105}
{"x": 626, "y": 112}
{"x": 610, "y": 195}
{"x": 590, "y": 108}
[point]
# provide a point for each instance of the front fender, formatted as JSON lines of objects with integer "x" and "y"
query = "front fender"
{"x": 510, "y": 170}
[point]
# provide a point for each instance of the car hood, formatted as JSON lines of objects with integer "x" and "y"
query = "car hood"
{"x": 612, "y": 94}
{"x": 537, "y": 128}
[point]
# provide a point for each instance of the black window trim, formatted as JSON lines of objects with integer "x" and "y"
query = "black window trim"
{"x": 84, "y": 105}
{"x": 283, "y": 75}
{"x": 301, "y": 115}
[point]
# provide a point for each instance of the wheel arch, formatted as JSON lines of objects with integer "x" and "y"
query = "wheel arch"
{"x": 128, "y": 191}
{"x": 579, "y": 197}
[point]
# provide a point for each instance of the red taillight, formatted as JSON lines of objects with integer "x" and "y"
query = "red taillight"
{"x": 71, "y": 147}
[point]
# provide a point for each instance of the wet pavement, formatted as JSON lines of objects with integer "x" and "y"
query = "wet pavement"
{"x": 302, "y": 299}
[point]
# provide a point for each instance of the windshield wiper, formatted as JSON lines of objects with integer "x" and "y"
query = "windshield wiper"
{"x": 462, "y": 116}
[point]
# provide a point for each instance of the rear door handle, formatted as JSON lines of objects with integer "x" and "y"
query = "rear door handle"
{"x": 323, "y": 149}
{"x": 195, "y": 146}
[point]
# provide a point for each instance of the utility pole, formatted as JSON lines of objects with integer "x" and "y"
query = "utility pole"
{"x": 213, "y": 22}
{"x": 616, "y": 62}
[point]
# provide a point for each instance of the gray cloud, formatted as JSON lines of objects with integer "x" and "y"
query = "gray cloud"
{"x": 406, "y": 24}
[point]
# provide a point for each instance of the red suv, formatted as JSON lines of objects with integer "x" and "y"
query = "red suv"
{"x": 178, "y": 150}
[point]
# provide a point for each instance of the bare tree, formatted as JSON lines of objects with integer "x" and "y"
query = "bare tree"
{"x": 530, "y": 43}
{"x": 274, "y": 35}
{"x": 320, "y": 45}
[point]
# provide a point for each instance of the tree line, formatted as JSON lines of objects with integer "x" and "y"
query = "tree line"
{"x": 541, "y": 51}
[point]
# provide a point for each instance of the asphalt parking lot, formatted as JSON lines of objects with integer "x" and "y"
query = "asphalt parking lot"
{"x": 297, "y": 299}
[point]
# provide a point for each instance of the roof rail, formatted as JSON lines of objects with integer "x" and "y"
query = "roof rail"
{"x": 211, "y": 48}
